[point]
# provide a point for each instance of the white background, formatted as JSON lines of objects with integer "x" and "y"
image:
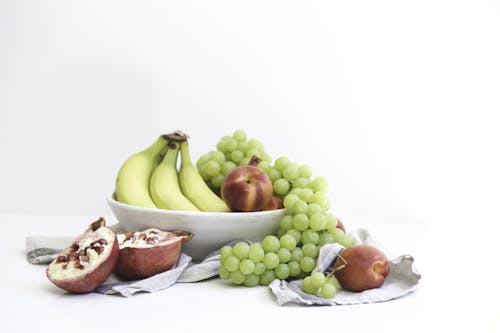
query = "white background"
{"x": 395, "y": 102}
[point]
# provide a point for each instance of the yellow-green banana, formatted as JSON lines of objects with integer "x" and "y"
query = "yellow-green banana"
{"x": 132, "y": 183}
{"x": 164, "y": 184}
{"x": 194, "y": 187}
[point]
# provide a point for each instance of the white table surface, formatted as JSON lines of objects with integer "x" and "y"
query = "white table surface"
{"x": 30, "y": 303}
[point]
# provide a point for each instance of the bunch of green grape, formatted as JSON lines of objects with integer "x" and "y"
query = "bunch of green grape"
{"x": 232, "y": 151}
{"x": 262, "y": 262}
{"x": 319, "y": 284}
{"x": 307, "y": 203}
{"x": 305, "y": 227}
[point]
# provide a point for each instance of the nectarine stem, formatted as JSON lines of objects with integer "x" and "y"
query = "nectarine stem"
{"x": 254, "y": 161}
{"x": 341, "y": 266}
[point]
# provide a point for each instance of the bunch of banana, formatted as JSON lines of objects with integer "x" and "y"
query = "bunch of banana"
{"x": 150, "y": 179}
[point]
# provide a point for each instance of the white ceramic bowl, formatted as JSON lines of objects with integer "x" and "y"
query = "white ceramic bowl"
{"x": 210, "y": 230}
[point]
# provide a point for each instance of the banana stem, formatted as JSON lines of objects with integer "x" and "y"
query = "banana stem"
{"x": 176, "y": 136}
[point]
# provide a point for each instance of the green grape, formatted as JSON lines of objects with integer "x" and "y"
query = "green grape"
{"x": 295, "y": 191}
{"x": 290, "y": 172}
{"x": 328, "y": 291}
{"x": 295, "y": 234}
{"x": 264, "y": 166}
{"x": 227, "y": 166}
{"x": 284, "y": 255}
{"x": 254, "y": 143}
{"x": 349, "y": 241}
{"x": 247, "y": 266}
{"x": 281, "y": 232}
{"x": 243, "y": 147}
{"x": 294, "y": 268}
{"x": 224, "y": 273}
{"x": 282, "y": 271}
{"x": 273, "y": 174}
{"x": 333, "y": 281}
{"x": 266, "y": 157}
{"x": 212, "y": 168}
{"x": 221, "y": 146}
{"x": 288, "y": 242}
{"x": 237, "y": 277}
{"x": 281, "y": 162}
{"x": 321, "y": 199}
{"x": 301, "y": 182}
{"x": 306, "y": 195}
{"x": 259, "y": 268}
{"x": 314, "y": 208}
{"x": 338, "y": 235}
{"x": 309, "y": 237}
{"x": 253, "y": 152}
{"x": 286, "y": 222}
{"x": 271, "y": 243}
{"x": 308, "y": 287}
{"x": 203, "y": 173}
{"x": 305, "y": 171}
{"x": 217, "y": 156}
{"x": 226, "y": 251}
{"x": 307, "y": 264}
{"x": 318, "y": 279}
{"x": 319, "y": 184}
{"x": 300, "y": 222}
{"x": 231, "y": 144}
{"x": 297, "y": 254}
{"x": 300, "y": 207}
{"x": 281, "y": 186}
{"x": 217, "y": 181}
{"x": 271, "y": 260}
{"x": 256, "y": 252}
{"x": 267, "y": 277}
{"x": 231, "y": 263}
{"x": 331, "y": 222}
{"x": 290, "y": 200}
{"x": 251, "y": 280}
{"x": 236, "y": 156}
{"x": 317, "y": 222}
{"x": 324, "y": 238}
{"x": 244, "y": 161}
{"x": 240, "y": 135}
{"x": 240, "y": 250}
{"x": 310, "y": 250}
{"x": 202, "y": 160}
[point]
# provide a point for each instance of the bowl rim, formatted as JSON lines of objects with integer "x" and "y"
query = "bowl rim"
{"x": 113, "y": 202}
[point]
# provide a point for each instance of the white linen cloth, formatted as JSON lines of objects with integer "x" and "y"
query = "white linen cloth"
{"x": 402, "y": 279}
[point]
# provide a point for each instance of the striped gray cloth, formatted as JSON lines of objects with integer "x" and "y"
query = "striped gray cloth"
{"x": 403, "y": 277}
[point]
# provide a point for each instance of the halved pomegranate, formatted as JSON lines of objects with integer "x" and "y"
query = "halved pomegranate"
{"x": 87, "y": 262}
{"x": 149, "y": 252}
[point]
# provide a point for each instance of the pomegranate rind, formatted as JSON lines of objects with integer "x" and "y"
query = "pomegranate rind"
{"x": 88, "y": 280}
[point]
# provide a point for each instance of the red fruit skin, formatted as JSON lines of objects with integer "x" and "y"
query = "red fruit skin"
{"x": 92, "y": 279}
{"x": 366, "y": 268}
{"x": 275, "y": 203}
{"x": 340, "y": 225}
{"x": 247, "y": 189}
{"x": 142, "y": 262}
{"x": 138, "y": 263}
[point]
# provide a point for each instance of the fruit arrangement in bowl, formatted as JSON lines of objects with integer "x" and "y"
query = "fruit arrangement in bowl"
{"x": 152, "y": 192}
{"x": 235, "y": 192}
